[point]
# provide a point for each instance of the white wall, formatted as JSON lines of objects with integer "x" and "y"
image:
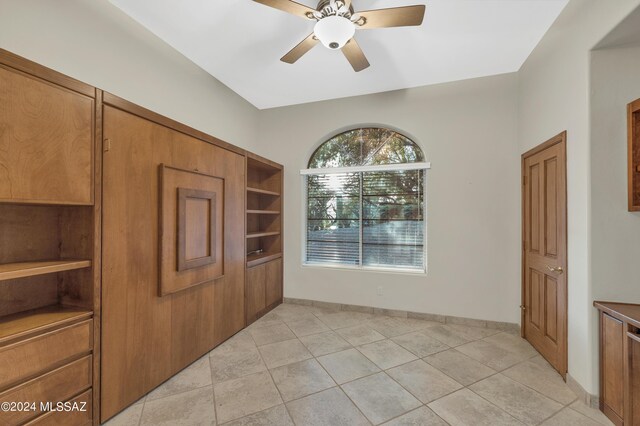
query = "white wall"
{"x": 93, "y": 41}
{"x": 615, "y": 232}
{"x": 468, "y": 132}
{"x": 554, "y": 96}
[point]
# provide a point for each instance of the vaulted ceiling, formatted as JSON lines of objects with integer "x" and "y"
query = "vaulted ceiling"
{"x": 240, "y": 42}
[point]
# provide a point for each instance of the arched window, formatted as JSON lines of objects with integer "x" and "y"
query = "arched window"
{"x": 365, "y": 205}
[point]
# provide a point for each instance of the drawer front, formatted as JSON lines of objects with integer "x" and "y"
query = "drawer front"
{"x": 56, "y": 386}
{"x": 80, "y": 413}
{"x": 41, "y": 353}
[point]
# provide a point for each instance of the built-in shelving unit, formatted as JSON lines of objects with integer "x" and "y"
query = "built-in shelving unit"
{"x": 264, "y": 236}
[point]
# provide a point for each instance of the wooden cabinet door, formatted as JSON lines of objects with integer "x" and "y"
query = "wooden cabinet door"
{"x": 46, "y": 142}
{"x": 612, "y": 353}
{"x": 255, "y": 292}
{"x": 273, "y": 281}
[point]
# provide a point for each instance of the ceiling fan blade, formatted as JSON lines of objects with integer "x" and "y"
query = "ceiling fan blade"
{"x": 406, "y": 16}
{"x": 303, "y": 47}
{"x": 288, "y": 6}
{"x": 355, "y": 55}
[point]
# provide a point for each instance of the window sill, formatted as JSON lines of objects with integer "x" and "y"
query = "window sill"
{"x": 395, "y": 271}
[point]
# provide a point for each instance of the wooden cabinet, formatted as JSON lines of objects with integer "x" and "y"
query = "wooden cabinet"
{"x": 263, "y": 289}
{"x": 264, "y": 192}
{"x": 46, "y": 142}
{"x": 620, "y": 362}
{"x": 49, "y": 237}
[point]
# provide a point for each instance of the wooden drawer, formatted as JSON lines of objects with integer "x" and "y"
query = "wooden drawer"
{"x": 68, "y": 418}
{"x": 38, "y": 354}
{"x": 57, "y": 385}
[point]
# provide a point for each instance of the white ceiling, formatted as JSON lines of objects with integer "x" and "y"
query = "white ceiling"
{"x": 240, "y": 42}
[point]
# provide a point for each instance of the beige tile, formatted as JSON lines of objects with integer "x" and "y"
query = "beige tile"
{"x": 288, "y": 312}
{"x": 275, "y": 416}
{"x": 542, "y": 378}
{"x": 247, "y": 395}
{"x": 448, "y": 335}
{"x": 241, "y": 340}
{"x": 512, "y": 343}
{"x": 420, "y": 343}
{"x": 294, "y": 301}
{"x": 195, "y": 376}
{"x": 344, "y": 319}
{"x": 271, "y": 334}
{"x": 386, "y": 354}
{"x": 491, "y": 355}
{"x": 327, "y": 408}
{"x": 569, "y": 417}
{"x": 422, "y": 416}
{"x": 129, "y": 417}
{"x": 347, "y": 365}
{"x": 232, "y": 363}
{"x": 523, "y": 403}
{"x": 192, "y": 408}
{"x": 324, "y": 343}
{"x": 380, "y": 398}
{"x": 465, "y": 408}
{"x": 466, "y": 321}
{"x": 591, "y": 413}
{"x": 425, "y": 382}
{"x": 301, "y": 379}
{"x": 472, "y": 332}
{"x": 427, "y": 317}
{"x": 392, "y": 326}
{"x": 283, "y": 353}
{"x": 357, "y": 308}
{"x": 327, "y": 307}
{"x": 460, "y": 367}
{"x": 390, "y": 312}
{"x": 307, "y": 326}
{"x": 360, "y": 335}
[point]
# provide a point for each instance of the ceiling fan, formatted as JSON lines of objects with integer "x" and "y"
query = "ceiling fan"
{"x": 337, "y": 23}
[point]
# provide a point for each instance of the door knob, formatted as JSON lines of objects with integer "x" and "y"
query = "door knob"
{"x": 557, "y": 269}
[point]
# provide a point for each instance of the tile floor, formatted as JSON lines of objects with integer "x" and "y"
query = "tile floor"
{"x": 302, "y": 365}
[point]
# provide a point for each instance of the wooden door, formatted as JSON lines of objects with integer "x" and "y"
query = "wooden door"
{"x": 544, "y": 305}
{"x": 256, "y": 292}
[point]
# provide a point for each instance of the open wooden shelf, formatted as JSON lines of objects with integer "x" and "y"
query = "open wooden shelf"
{"x": 262, "y": 234}
{"x": 263, "y": 212}
{"x": 257, "y": 259}
{"x": 263, "y": 191}
{"x": 39, "y": 320}
{"x": 10, "y": 271}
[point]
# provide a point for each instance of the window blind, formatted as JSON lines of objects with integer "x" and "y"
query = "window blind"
{"x": 370, "y": 219}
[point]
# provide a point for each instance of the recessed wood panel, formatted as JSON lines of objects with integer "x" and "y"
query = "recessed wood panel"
{"x": 613, "y": 362}
{"x": 273, "y": 281}
{"x": 551, "y": 207}
{"x": 551, "y": 308}
{"x": 535, "y": 308}
{"x": 192, "y": 229}
{"x": 256, "y": 291}
{"x": 46, "y": 142}
{"x": 534, "y": 208}
{"x": 80, "y": 417}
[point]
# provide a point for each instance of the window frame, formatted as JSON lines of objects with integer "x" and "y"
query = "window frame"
{"x": 425, "y": 166}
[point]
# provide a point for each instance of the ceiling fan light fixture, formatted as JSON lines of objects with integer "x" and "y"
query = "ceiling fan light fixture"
{"x": 334, "y": 31}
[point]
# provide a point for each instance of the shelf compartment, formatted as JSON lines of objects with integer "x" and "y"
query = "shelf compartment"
{"x": 262, "y": 234}
{"x": 263, "y": 212}
{"x": 262, "y": 191}
{"x": 257, "y": 259}
{"x": 39, "y": 320}
{"x": 10, "y": 271}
